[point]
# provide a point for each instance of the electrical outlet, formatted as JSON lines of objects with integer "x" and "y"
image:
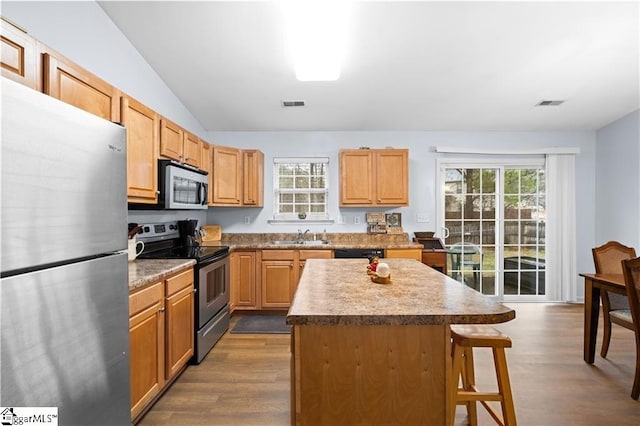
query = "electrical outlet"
{"x": 422, "y": 217}
{"x": 247, "y": 220}
{"x": 356, "y": 220}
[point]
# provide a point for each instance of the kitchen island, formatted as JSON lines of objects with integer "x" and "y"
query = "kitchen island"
{"x": 367, "y": 353}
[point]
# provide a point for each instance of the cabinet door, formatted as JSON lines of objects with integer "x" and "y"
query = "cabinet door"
{"x": 146, "y": 339}
{"x": 18, "y": 55}
{"x": 278, "y": 283}
{"x": 207, "y": 167}
{"x": 179, "y": 323}
{"x": 142, "y": 125}
{"x": 243, "y": 288}
{"x": 404, "y": 254}
{"x": 356, "y": 177}
{"x": 74, "y": 85}
{"x": 192, "y": 150}
{"x": 171, "y": 139}
{"x": 392, "y": 177}
{"x": 253, "y": 178}
{"x": 227, "y": 176}
{"x": 435, "y": 259}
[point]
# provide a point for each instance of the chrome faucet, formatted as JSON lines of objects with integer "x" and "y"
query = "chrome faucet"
{"x": 301, "y": 235}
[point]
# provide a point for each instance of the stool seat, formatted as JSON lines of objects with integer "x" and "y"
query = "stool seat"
{"x": 464, "y": 339}
{"x": 482, "y": 336}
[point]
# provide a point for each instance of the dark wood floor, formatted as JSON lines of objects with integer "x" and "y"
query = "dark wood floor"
{"x": 245, "y": 379}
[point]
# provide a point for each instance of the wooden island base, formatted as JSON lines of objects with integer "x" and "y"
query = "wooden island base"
{"x": 369, "y": 374}
{"x": 377, "y": 354}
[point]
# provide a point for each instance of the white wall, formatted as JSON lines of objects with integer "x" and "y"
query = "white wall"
{"x": 84, "y": 33}
{"x": 81, "y": 31}
{"x": 422, "y": 174}
{"x": 618, "y": 181}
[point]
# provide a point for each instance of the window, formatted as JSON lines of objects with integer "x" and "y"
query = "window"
{"x": 301, "y": 188}
{"x": 494, "y": 225}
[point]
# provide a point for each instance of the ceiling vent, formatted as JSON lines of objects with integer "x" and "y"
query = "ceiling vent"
{"x": 292, "y": 103}
{"x": 549, "y": 103}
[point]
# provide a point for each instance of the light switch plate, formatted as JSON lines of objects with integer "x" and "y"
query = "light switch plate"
{"x": 422, "y": 217}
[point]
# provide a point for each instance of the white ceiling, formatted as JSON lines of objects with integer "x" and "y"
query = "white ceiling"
{"x": 408, "y": 65}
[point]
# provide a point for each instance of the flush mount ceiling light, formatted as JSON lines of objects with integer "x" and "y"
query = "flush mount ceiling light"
{"x": 316, "y": 34}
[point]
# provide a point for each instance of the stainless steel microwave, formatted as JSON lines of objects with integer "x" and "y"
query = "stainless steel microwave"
{"x": 181, "y": 187}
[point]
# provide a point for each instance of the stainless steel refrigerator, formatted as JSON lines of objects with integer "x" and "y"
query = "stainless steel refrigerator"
{"x": 63, "y": 287}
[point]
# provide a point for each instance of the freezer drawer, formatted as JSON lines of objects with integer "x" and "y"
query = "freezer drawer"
{"x": 65, "y": 341}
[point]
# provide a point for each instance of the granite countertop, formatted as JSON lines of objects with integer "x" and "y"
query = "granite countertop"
{"x": 146, "y": 271}
{"x": 337, "y": 240}
{"x": 339, "y": 292}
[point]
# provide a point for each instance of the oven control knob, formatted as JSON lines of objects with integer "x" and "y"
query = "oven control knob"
{"x": 146, "y": 229}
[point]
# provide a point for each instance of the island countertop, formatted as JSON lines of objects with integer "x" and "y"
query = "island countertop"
{"x": 339, "y": 292}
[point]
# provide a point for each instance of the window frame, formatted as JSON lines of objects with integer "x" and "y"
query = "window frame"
{"x": 277, "y": 191}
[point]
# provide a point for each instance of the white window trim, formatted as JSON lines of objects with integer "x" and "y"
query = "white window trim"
{"x": 290, "y": 218}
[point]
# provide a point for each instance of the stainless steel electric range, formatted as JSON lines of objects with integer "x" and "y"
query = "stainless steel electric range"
{"x": 163, "y": 241}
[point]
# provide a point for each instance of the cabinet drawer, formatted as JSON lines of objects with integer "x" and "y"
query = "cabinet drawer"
{"x": 180, "y": 281}
{"x": 142, "y": 299}
{"x": 277, "y": 254}
{"x": 316, "y": 254}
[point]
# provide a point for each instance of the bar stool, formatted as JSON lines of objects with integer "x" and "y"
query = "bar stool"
{"x": 465, "y": 338}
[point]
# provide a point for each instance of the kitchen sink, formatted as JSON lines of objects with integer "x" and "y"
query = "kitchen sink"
{"x": 298, "y": 243}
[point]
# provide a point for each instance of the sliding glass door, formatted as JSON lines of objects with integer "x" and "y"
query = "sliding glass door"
{"x": 493, "y": 219}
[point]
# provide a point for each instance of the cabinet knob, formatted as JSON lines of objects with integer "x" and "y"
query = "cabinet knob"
{"x": 157, "y": 192}
{"x": 187, "y": 159}
{"x": 291, "y": 265}
{"x": 162, "y": 309}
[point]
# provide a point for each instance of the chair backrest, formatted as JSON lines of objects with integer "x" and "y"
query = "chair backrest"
{"x": 631, "y": 271}
{"x": 608, "y": 257}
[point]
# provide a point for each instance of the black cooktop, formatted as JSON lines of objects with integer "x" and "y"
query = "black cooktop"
{"x": 200, "y": 254}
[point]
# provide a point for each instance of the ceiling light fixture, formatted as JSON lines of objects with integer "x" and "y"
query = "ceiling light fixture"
{"x": 316, "y": 34}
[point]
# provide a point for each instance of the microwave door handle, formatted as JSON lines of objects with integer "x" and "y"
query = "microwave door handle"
{"x": 202, "y": 193}
{"x": 205, "y": 194}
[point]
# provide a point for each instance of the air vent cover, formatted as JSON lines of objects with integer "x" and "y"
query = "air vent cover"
{"x": 292, "y": 103}
{"x": 549, "y": 103}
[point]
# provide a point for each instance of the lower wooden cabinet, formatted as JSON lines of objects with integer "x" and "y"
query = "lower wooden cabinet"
{"x": 404, "y": 254}
{"x": 179, "y": 322}
{"x": 279, "y": 277}
{"x": 243, "y": 280}
{"x": 267, "y": 279}
{"x": 146, "y": 339}
{"x": 160, "y": 336}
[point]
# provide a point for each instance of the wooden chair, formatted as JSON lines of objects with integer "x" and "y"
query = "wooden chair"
{"x": 465, "y": 338}
{"x": 615, "y": 307}
{"x": 631, "y": 270}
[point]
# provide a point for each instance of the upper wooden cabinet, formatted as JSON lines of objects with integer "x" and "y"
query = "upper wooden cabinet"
{"x": 238, "y": 177}
{"x": 253, "y": 178}
{"x": 143, "y": 126}
{"x": 19, "y": 55}
{"x": 74, "y": 85}
{"x": 374, "y": 177}
{"x": 207, "y": 167}
{"x": 180, "y": 145}
{"x": 171, "y": 139}
{"x": 227, "y": 176}
{"x": 192, "y": 150}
